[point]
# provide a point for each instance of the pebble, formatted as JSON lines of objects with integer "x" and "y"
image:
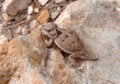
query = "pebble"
{"x": 34, "y": 24}
{"x": 25, "y": 30}
{"x": 55, "y": 13}
{"x": 7, "y": 17}
{"x": 9, "y": 34}
{"x": 36, "y": 10}
{"x": 19, "y": 30}
{"x": 29, "y": 17}
{"x": 118, "y": 9}
{"x": 3, "y": 39}
{"x": 42, "y": 2}
{"x": 30, "y": 10}
{"x": 44, "y": 16}
{"x": 12, "y": 7}
{"x": 59, "y": 1}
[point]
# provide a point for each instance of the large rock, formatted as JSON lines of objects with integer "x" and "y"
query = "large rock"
{"x": 13, "y": 6}
{"x": 21, "y": 59}
{"x": 97, "y": 22}
{"x": 26, "y": 59}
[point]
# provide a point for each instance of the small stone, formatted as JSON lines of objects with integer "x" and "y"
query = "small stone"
{"x": 34, "y": 24}
{"x": 29, "y": 17}
{"x": 36, "y": 10}
{"x": 25, "y": 30}
{"x": 9, "y": 35}
{"x": 12, "y": 7}
{"x": 7, "y": 17}
{"x": 2, "y": 26}
{"x": 55, "y": 13}
{"x": 59, "y": 1}
{"x": 118, "y": 9}
{"x": 43, "y": 17}
{"x": 30, "y": 10}
{"x": 19, "y": 58}
{"x": 42, "y": 2}
{"x": 19, "y": 30}
{"x": 3, "y": 39}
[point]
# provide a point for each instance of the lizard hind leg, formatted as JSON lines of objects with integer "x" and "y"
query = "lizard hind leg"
{"x": 85, "y": 56}
{"x": 72, "y": 62}
{"x": 80, "y": 56}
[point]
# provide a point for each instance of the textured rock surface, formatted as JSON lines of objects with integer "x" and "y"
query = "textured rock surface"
{"x": 13, "y": 6}
{"x": 25, "y": 59}
{"x": 98, "y": 23}
{"x": 21, "y": 59}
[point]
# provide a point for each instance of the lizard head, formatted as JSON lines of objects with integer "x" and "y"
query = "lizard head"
{"x": 50, "y": 30}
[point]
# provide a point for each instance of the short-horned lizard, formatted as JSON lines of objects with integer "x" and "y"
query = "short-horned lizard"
{"x": 67, "y": 40}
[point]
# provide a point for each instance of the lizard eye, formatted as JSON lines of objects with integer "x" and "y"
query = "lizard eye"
{"x": 49, "y": 30}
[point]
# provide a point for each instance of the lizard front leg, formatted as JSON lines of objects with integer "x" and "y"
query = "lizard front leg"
{"x": 48, "y": 42}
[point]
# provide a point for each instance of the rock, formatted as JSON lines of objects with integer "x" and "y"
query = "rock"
{"x": 59, "y": 70}
{"x": 21, "y": 59}
{"x": 26, "y": 59}
{"x": 28, "y": 17}
{"x": 3, "y": 39}
{"x": 59, "y": 1}
{"x": 30, "y": 9}
{"x": 55, "y": 13}
{"x": 8, "y": 33}
{"x": 43, "y": 17}
{"x": 36, "y": 10}
{"x": 42, "y": 2}
{"x": 97, "y": 24}
{"x": 11, "y": 7}
{"x": 19, "y": 30}
{"x": 7, "y": 17}
{"x": 34, "y": 24}
{"x": 2, "y": 26}
{"x": 28, "y": 29}
{"x": 25, "y": 30}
